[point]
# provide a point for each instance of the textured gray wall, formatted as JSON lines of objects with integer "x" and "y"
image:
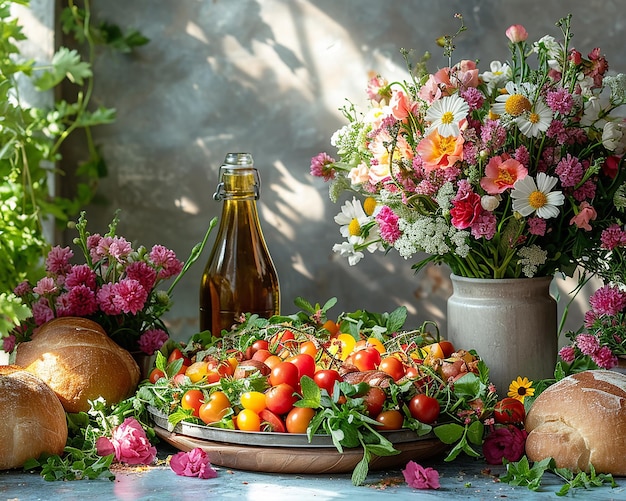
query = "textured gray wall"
{"x": 268, "y": 77}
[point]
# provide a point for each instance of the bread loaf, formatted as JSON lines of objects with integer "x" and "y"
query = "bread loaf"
{"x": 32, "y": 418}
{"x": 581, "y": 420}
{"x": 76, "y": 358}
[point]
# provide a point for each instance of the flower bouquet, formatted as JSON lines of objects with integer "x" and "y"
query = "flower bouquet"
{"x": 117, "y": 286}
{"x": 509, "y": 172}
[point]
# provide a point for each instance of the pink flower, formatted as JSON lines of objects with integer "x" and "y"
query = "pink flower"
{"x": 377, "y": 88}
{"x": 129, "y": 444}
{"x": 401, "y": 106}
{"x": 8, "y": 343}
{"x": 419, "y": 477}
{"x": 501, "y": 174}
{"x": 604, "y": 358}
{"x": 116, "y": 247}
{"x": 130, "y": 296}
{"x": 569, "y": 170}
{"x": 466, "y": 210}
{"x": 45, "y": 285}
{"x": 516, "y": 33}
{"x": 58, "y": 260}
{"x": 388, "y": 224}
{"x": 537, "y": 226}
{"x": 82, "y": 301}
{"x": 42, "y": 311}
{"x": 106, "y": 300}
{"x": 560, "y": 100}
{"x": 22, "y": 289}
{"x": 568, "y": 354}
{"x": 152, "y": 340}
{"x": 194, "y": 463}
{"x": 485, "y": 225}
{"x": 165, "y": 261}
{"x": 608, "y": 300}
{"x": 81, "y": 274}
{"x": 588, "y": 344}
{"x": 614, "y": 236}
{"x": 322, "y": 166}
{"x": 143, "y": 273}
{"x": 587, "y": 213}
{"x": 504, "y": 442}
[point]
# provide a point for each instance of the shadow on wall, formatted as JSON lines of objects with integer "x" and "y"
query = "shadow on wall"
{"x": 268, "y": 77}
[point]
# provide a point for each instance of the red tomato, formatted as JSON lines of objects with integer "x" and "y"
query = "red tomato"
{"x": 175, "y": 354}
{"x": 155, "y": 375}
{"x": 447, "y": 347}
{"x": 392, "y": 366}
{"x": 282, "y": 340}
{"x": 374, "y": 400}
{"x": 280, "y": 398}
{"x": 424, "y": 408}
{"x": 298, "y": 419}
{"x": 390, "y": 420}
{"x": 261, "y": 355}
{"x": 325, "y": 379}
{"x": 260, "y": 344}
{"x": 192, "y": 399}
{"x": 412, "y": 372}
{"x": 367, "y": 359}
{"x": 271, "y": 422}
{"x": 509, "y": 411}
{"x": 215, "y": 408}
{"x": 305, "y": 364}
{"x": 285, "y": 372}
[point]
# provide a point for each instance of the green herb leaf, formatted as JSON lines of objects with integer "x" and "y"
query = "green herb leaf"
{"x": 449, "y": 433}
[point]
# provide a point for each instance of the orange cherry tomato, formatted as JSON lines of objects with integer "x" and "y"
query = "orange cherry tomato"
{"x": 192, "y": 399}
{"x": 155, "y": 375}
{"x": 215, "y": 408}
{"x": 309, "y": 348}
{"x": 253, "y": 400}
{"x": 197, "y": 371}
{"x": 298, "y": 419}
{"x": 390, "y": 420}
{"x": 392, "y": 366}
{"x": 248, "y": 420}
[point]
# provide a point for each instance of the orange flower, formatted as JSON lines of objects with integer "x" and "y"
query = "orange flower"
{"x": 501, "y": 174}
{"x": 440, "y": 152}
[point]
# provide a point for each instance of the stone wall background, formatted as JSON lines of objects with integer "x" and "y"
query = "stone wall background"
{"x": 268, "y": 77}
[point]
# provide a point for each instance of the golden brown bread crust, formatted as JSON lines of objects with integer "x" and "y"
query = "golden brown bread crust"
{"x": 76, "y": 358}
{"x": 581, "y": 420}
{"x": 33, "y": 420}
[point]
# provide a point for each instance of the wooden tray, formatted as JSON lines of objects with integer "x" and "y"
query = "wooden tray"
{"x": 300, "y": 460}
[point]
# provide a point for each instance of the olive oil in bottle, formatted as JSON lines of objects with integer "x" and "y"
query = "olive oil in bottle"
{"x": 239, "y": 276}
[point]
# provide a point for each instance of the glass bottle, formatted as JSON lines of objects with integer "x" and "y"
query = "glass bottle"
{"x": 239, "y": 276}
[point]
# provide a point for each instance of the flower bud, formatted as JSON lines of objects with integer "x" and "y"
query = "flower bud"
{"x": 516, "y": 33}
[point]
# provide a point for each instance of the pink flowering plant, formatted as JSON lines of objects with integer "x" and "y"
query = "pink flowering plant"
{"x": 117, "y": 285}
{"x": 509, "y": 171}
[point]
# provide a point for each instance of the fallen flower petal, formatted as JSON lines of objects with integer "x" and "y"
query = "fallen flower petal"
{"x": 194, "y": 463}
{"x": 419, "y": 477}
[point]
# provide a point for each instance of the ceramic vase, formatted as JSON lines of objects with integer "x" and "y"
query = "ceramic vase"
{"x": 511, "y": 323}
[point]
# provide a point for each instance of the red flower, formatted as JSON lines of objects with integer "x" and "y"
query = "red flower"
{"x": 466, "y": 210}
{"x": 504, "y": 442}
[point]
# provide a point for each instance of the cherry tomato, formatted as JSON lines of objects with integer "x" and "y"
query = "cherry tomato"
{"x": 390, "y": 420}
{"x": 447, "y": 347}
{"x": 509, "y": 411}
{"x": 272, "y": 361}
{"x": 412, "y": 372}
{"x": 376, "y": 343}
{"x": 197, "y": 371}
{"x": 392, "y": 366}
{"x": 308, "y": 347}
{"x": 253, "y": 400}
{"x": 331, "y": 326}
{"x": 325, "y": 379}
{"x": 215, "y": 408}
{"x": 305, "y": 364}
{"x": 175, "y": 354}
{"x": 285, "y": 372}
{"x": 261, "y": 355}
{"x": 260, "y": 344}
{"x": 192, "y": 399}
{"x": 424, "y": 408}
{"x": 346, "y": 344}
{"x": 248, "y": 420}
{"x": 280, "y": 399}
{"x": 374, "y": 400}
{"x": 282, "y": 340}
{"x": 367, "y": 359}
{"x": 298, "y": 419}
{"x": 155, "y": 375}
{"x": 434, "y": 350}
{"x": 271, "y": 422}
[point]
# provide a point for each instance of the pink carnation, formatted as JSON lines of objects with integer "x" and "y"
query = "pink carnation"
{"x": 130, "y": 296}
{"x": 604, "y": 358}
{"x": 22, "y": 289}
{"x": 81, "y": 274}
{"x": 165, "y": 261}
{"x": 152, "y": 340}
{"x": 419, "y": 477}
{"x": 388, "y": 224}
{"x": 614, "y": 236}
{"x": 42, "y": 311}
{"x": 8, "y": 343}
{"x": 568, "y": 354}
{"x": 588, "y": 344}
{"x": 143, "y": 273}
{"x": 105, "y": 298}
{"x": 505, "y": 442}
{"x": 608, "y": 300}
{"x": 58, "y": 260}
{"x": 194, "y": 463}
{"x": 129, "y": 444}
{"x": 45, "y": 285}
{"x": 82, "y": 301}
{"x": 322, "y": 166}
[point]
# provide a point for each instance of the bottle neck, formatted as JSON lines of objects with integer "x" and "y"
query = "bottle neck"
{"x": 238, "y": 184}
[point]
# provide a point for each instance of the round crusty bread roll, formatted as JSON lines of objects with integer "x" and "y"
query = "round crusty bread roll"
{"x": 579, "y": 420}
{"x": 33, "y": 420}
{"x": 76, "y": 358}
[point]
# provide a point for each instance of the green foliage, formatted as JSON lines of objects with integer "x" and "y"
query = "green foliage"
{"x": 31, "y": 138}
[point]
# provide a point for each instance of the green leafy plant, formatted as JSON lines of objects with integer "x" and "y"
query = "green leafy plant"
{"x": 31, "y": 138}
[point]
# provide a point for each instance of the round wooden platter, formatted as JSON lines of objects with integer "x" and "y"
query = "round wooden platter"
{"x": 300, "y": 460}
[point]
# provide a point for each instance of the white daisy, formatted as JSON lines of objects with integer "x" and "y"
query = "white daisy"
{"x": 445, "y": 114}
{"x": 514, "y": 101}
{"x": 498, "y": 76}
{"x": 351, "y": 218}
{"x": 529, "y": 197}
{"x": 346, "y": 249}
{"x": 536, "y": 121}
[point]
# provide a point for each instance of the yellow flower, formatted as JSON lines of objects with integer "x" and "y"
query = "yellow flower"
{"x": 521, "y": 388}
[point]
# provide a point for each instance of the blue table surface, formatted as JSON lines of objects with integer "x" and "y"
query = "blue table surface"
{"x": 463, "y": 478}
